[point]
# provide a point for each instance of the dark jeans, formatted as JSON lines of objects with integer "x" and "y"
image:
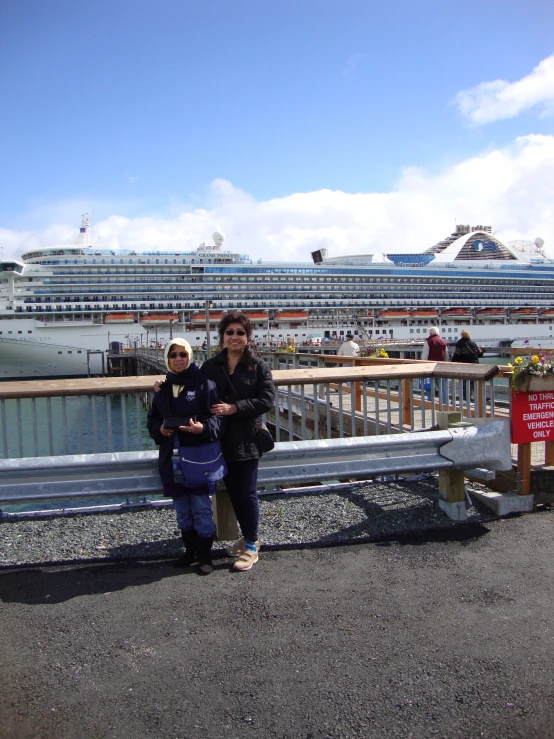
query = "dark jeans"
{"x": 240, "y": 481}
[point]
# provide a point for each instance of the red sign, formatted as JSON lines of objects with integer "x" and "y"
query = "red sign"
{"x": 532, "y": 417}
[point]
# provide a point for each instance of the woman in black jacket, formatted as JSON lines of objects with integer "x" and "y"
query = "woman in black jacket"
{"x": 188, "y": 394}
{"x": 467, "y": 350}
{"x": 247, "y": 391}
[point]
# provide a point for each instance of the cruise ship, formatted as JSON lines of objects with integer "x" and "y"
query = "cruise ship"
{"x": 62, "y": 308}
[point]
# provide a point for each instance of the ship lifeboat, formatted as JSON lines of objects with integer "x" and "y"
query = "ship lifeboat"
{"x": 457, "y": 313}
{"x": 200, "y": 318}
{"x": 548, "y": 314}
{"x": 525, "y": 313}
{"x": 153, "y": 320}
{"x": 258, "y": 315}
{"x": 292, "y": 315}
{"x": 394, "y": 314}
{"x": 119, "y": 318}
{"x": 491, "y": 314}
{"x": 425, "y": 313}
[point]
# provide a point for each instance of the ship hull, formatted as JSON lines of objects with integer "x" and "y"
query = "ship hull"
{"x": 33, "y": 349}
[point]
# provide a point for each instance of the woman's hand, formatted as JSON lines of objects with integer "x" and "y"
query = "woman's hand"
{"x": 165, "y": 432}
{"x": 195, "y": 427}
{"x": 223, "y": 409}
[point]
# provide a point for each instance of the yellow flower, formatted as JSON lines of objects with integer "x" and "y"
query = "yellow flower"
{"x": 518, "y": 360}
{"x": 535, "y": 359}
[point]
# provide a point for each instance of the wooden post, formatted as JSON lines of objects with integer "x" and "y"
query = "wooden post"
{"x": 358, "y": 396}
{"x": 451, "y": 482}
{"x": 480, "y": 399}
{"x": 406, "y": 407}
{"x": 524, "y": 467}
{"x": 224, "y": 516}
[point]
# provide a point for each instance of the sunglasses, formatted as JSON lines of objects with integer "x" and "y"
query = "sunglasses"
{"x": 232, "y": 332}
{"x": 174, "y": 355}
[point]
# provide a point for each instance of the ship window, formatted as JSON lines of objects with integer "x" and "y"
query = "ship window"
{"x": 29, "y": 332}
{"x": 79, "y": 352}
{"x": 70, "y": 352}
{"x": 9, "y": 332}
{"x": 59, "y": 352}
{"x": 20, "y": 332}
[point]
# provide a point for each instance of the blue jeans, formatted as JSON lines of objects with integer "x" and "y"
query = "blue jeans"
{"x": 195, "y": 512}
{"x": 429, "y": 385}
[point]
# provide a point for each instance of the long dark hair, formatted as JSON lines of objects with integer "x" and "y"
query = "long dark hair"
{"x": 246, "y": 323}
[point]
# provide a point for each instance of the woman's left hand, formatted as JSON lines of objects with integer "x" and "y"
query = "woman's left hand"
{"x": 223, "y": 409}
{"x": 195, "y": 427}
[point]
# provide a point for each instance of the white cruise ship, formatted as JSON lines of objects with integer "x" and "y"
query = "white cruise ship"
{"x": 62, "y": 307}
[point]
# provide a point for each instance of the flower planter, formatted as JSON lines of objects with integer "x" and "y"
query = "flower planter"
{"x": 535, "y": 384}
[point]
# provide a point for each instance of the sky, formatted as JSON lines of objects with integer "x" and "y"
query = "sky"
{"x": 287, "y": 125}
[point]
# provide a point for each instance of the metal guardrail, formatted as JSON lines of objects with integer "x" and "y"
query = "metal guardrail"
{"x": 136, "y": 473}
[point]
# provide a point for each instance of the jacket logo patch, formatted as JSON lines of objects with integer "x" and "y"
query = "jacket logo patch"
{"x": 191, "y": 395}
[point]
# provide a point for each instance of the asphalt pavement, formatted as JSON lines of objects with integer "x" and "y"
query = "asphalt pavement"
{"x": 446, "y": 633}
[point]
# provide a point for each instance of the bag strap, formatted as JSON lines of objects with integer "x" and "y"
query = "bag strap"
{"x": 229, "y": 381}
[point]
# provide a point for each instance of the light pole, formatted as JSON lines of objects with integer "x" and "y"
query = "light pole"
{"x": 207, "y": 306}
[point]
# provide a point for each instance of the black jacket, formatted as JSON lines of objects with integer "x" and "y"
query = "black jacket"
{"x": 196, "y": 398}
{"x": 467, "y": 352}
{"x": 254, "y": 394}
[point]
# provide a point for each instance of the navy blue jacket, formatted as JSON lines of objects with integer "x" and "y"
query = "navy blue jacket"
{"x": 195, "y": 400}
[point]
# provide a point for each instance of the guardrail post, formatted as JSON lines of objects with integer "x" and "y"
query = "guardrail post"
{"x": 226, "y": 527}
{"x": 524, "y": 468}
{"x": 452, "y": 491}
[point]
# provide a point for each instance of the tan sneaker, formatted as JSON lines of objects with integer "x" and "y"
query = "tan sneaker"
{"x": 245, "y": 561}
{"x": 237, "y": 548}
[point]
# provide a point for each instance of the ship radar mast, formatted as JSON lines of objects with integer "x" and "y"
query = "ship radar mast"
{"x": 84, "y": 231}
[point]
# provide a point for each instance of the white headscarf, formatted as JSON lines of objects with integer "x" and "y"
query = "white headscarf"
{"x": 178, "y": 342}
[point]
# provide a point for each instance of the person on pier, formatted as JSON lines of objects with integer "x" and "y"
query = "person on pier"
{"x": 435, "y": 349}
{"x": 245, "y": 385}
{"x": 190, "y": 395}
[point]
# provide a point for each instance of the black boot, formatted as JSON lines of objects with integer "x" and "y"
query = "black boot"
{"x": 190, "y": 541}
{"x": 204, "y": 548}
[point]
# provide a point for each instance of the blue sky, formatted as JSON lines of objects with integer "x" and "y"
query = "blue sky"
{"x": 287, "y": 125}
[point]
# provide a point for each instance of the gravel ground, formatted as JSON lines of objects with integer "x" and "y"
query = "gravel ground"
{"x": 368, "y": 512}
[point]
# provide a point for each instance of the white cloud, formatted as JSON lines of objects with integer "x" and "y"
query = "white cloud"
{"x": 511, "y": 189}
{"x": 496, "y": 100}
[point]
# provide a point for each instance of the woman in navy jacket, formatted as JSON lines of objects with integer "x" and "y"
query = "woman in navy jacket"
{"x": 189, "y": 394}
{"x": 245, "y": 385}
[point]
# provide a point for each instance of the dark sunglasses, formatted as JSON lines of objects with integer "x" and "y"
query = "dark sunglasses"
{"x": 174, "y": 355}
{"x": 232, "y": 332}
